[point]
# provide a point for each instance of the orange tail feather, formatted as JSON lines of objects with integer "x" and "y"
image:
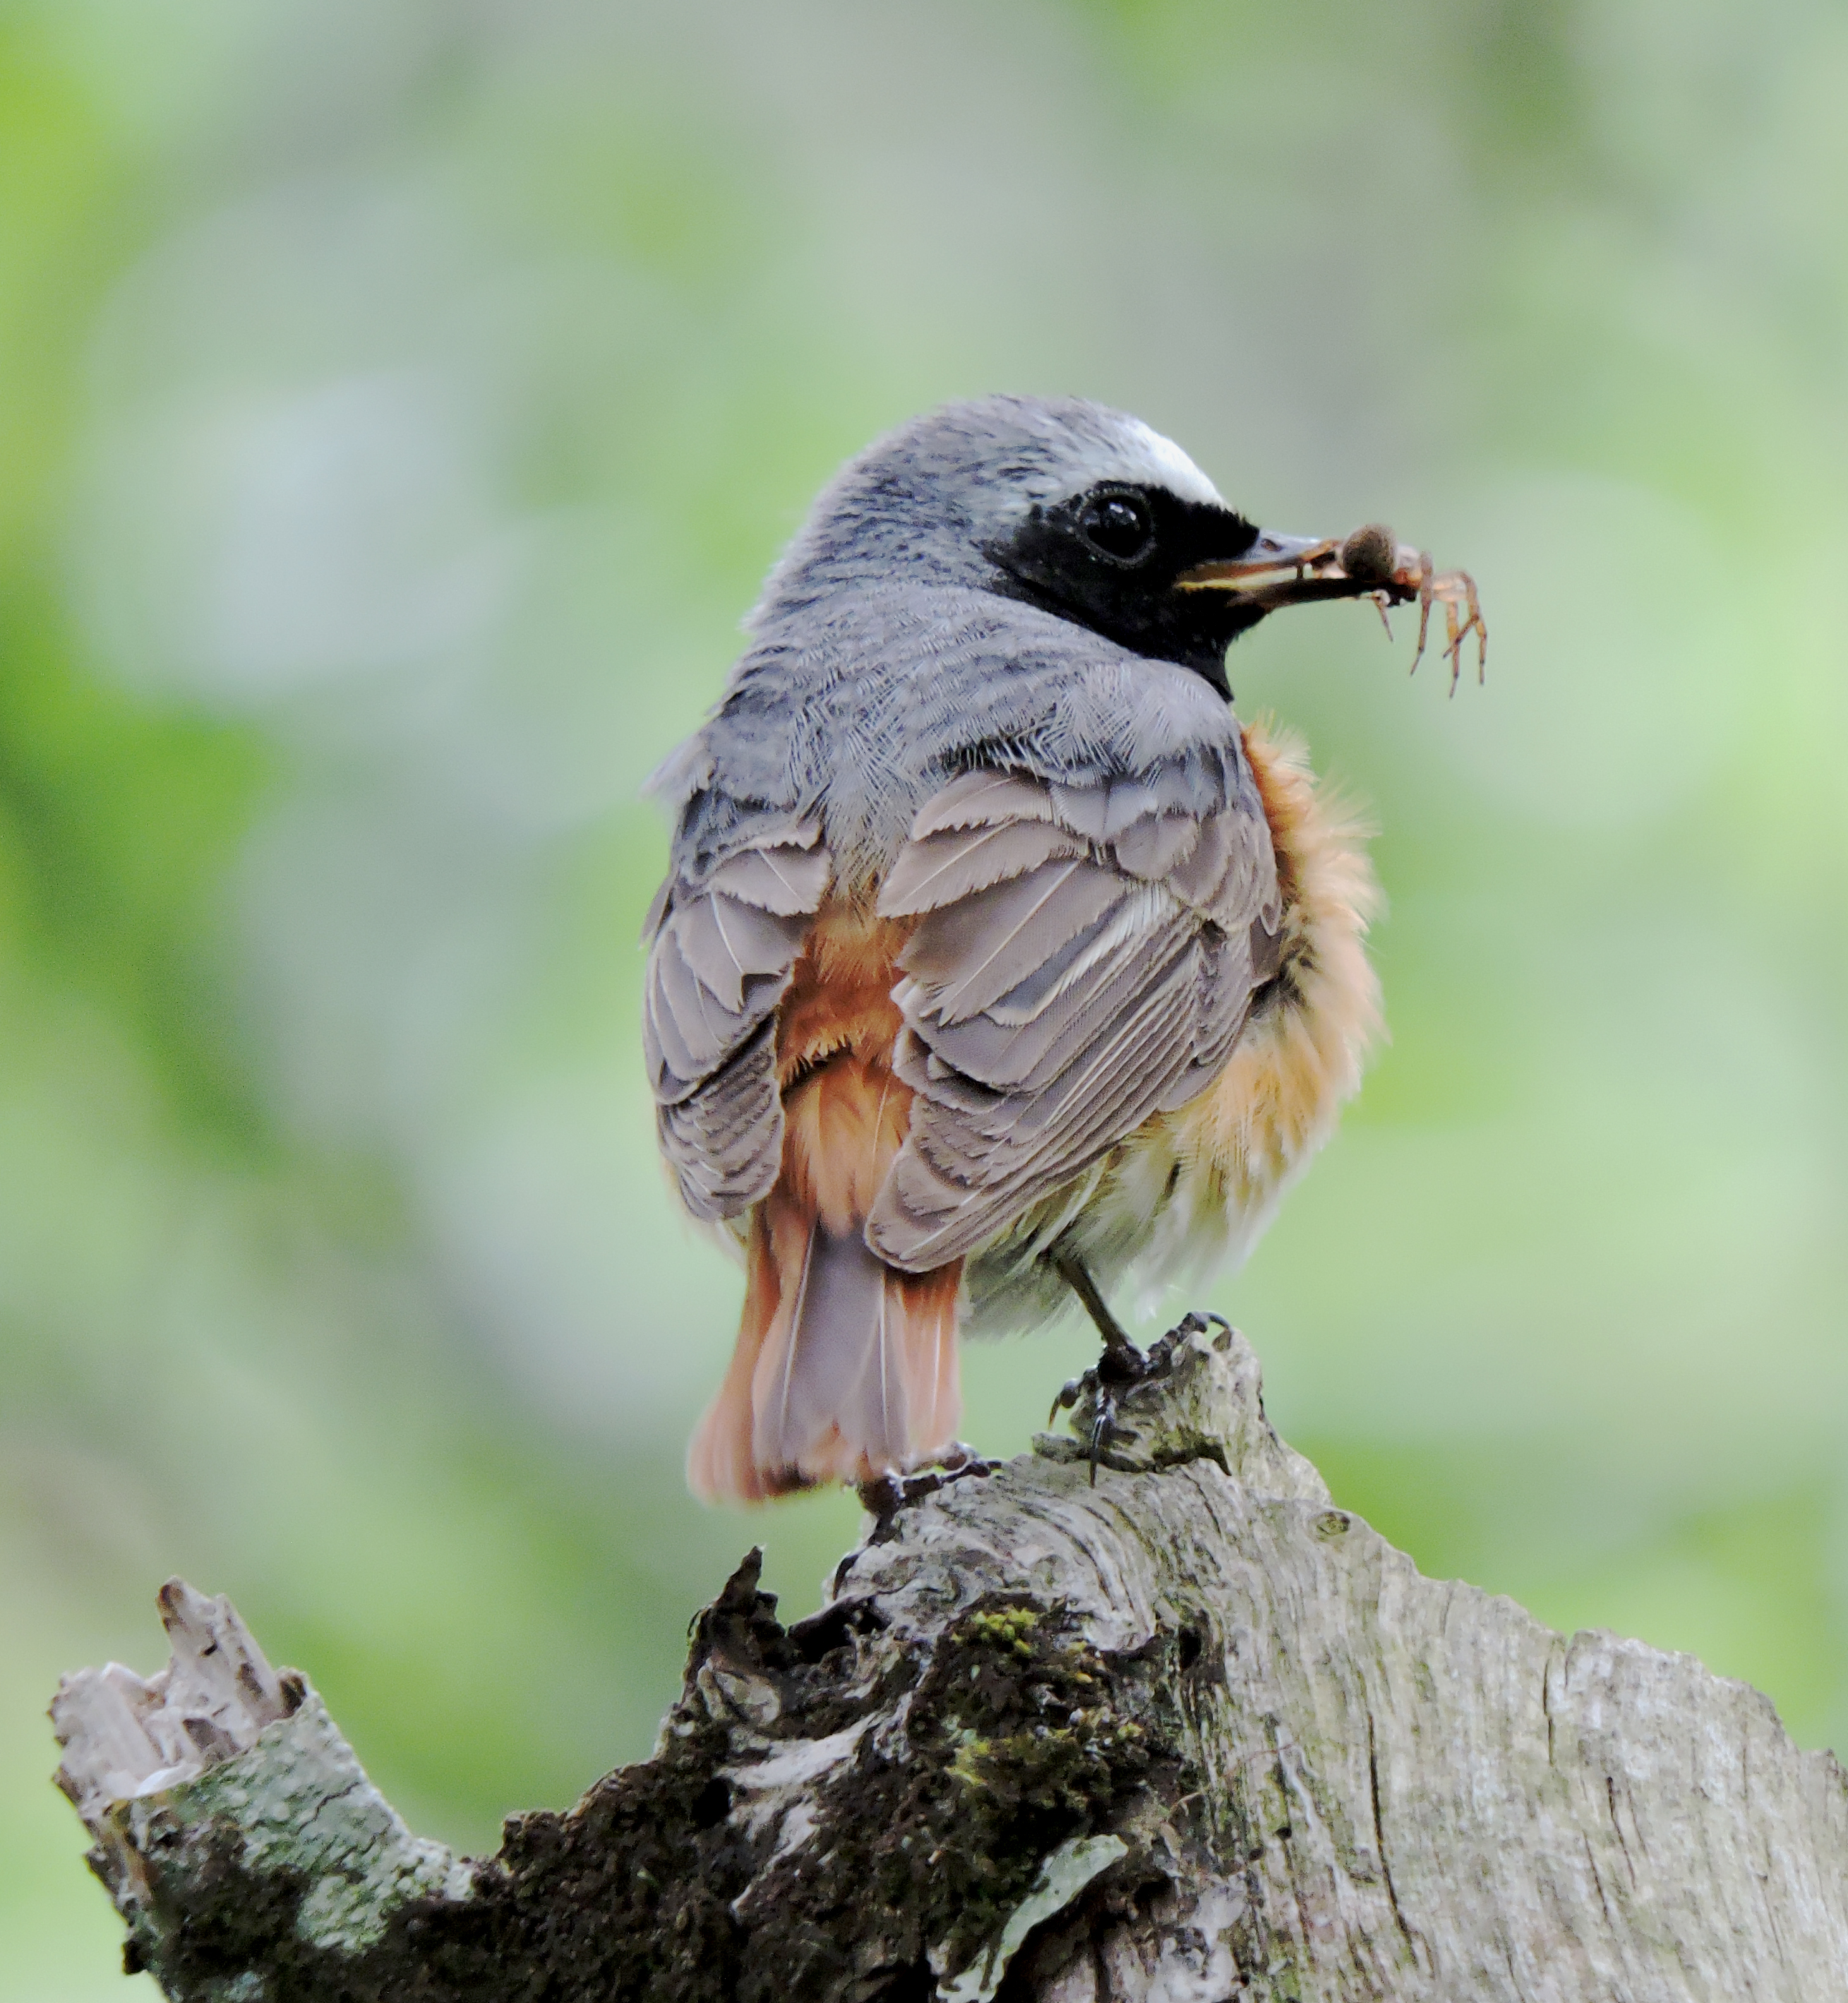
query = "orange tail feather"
{"x": 845, "y": 1367}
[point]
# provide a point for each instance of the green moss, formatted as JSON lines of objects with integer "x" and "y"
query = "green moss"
{"x": 1011, "y": 1628}
{"x": 1019, "y": 1736}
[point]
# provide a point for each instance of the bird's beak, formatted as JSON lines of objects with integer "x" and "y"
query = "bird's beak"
{"x": 1280, "y": 570}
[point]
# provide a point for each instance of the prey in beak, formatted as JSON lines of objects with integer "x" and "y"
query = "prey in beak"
{"x": 1280, "y": 570}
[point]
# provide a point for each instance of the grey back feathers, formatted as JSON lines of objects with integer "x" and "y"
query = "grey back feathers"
{"x": 860, "y": 710}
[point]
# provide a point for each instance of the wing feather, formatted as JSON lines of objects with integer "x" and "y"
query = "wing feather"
{"x": 788, "y": 879}
{"x": 723, "y": 951}
{"x": 1156, "y": 845}
{"x": 1095, "y": 970}
{"x": 937, "y": 869}
{"x": 966, "y": 957}
{"x": 983, "y": 799}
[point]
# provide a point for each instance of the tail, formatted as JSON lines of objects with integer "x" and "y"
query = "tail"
{"x": 845, "y": 1367}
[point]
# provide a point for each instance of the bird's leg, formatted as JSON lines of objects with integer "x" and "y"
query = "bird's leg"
{"x": 1070, "y": 1268}
{"x": 1121, "y": 1363}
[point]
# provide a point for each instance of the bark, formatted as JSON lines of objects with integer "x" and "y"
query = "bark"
{"x": 1187, "y": 1732}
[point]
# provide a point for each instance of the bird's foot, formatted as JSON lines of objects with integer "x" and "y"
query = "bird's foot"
{"x": 886, "y": 1495}
{"x": 1122, "y": 1366}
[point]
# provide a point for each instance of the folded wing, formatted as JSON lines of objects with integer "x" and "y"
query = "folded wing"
{"x": 1083, "y": 958}
{"x": 720, "y": 960}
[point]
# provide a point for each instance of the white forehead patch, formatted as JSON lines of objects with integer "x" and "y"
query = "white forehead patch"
{"x": 1138, "y": 454}
{"x": 1173, "y": 466}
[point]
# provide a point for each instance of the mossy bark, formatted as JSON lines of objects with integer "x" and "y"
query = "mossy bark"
{"x": 1173, "y": 1727}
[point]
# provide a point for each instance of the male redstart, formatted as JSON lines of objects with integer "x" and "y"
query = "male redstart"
{"x": 996, "y": 958}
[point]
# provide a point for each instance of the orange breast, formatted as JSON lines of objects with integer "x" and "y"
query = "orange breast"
{"x": 1300, "y": 1056}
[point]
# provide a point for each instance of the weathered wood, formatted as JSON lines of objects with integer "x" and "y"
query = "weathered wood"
{"x": 1187, "y": 1732}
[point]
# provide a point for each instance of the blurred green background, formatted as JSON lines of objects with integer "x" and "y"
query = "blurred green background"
{"x": 399, "y": 404}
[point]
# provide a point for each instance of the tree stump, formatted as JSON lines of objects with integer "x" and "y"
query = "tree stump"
{"x": 1168, "y": 1726}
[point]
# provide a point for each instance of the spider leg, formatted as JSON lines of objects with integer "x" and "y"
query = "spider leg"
{"x": 1482, "y": 630}
{"x": 1453, "y": 643}
{"x": 1427, "y": 594}
{"x": 1462, "y": 616}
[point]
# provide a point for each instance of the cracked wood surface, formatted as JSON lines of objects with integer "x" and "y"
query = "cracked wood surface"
{"x": 1189, "y": 1733}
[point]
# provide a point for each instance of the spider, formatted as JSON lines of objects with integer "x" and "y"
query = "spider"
{"x": 1373, "y": 555}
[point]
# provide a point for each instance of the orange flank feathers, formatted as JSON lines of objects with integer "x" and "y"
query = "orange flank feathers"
{"x": 846, "y": 1369}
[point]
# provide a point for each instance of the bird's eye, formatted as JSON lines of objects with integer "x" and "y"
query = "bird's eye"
{"x": 1119, "y": 525}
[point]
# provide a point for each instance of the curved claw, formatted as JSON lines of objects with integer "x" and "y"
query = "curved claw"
{"x": 1103, "y": 1425}
{"x": 960, "y": 1458}
{"x": 1121, "y": 1367}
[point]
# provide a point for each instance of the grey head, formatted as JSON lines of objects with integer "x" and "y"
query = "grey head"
{"x": 1048, "y": 586}
{"x": 1079, "y": 510}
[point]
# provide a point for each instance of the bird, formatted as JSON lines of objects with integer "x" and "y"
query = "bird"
{"x": 998, "y": 964}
